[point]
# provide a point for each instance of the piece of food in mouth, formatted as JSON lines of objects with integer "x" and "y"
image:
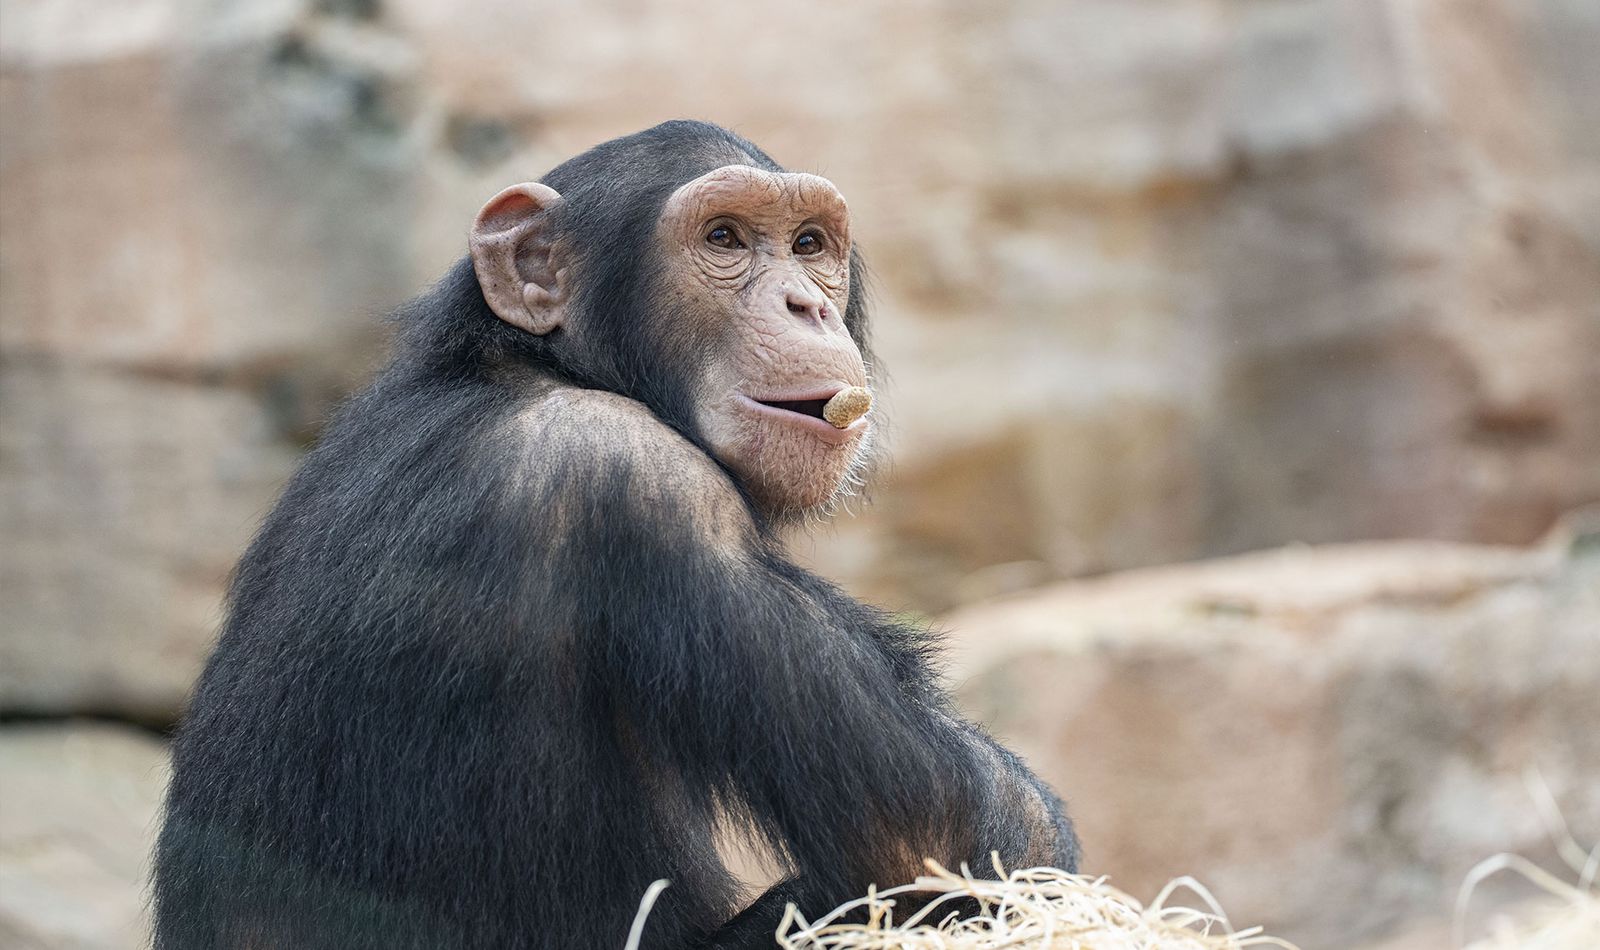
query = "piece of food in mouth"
{"x": 847, "y": 405}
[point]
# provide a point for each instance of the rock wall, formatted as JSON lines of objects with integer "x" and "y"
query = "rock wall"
{"x": 1327, "y": 737}
{"x": 1246, "y": 272}
{"x": 78, "y": 811}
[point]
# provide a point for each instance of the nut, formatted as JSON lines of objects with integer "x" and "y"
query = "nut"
{"x": 847, "y": 405}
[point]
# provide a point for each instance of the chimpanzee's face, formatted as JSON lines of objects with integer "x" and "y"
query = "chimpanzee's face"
{"x": 746, "y": 300}
{"x": 758, "y": 265}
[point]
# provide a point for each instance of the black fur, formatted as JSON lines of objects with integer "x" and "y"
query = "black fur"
{"x": 478, "y": 688}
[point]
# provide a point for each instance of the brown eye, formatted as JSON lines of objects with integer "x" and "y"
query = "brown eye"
{"x": 722, "y": 236}
{"x": 808, "y": 243}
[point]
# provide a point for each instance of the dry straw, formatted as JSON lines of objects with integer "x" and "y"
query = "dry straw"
{"x": 1034, "y": 909}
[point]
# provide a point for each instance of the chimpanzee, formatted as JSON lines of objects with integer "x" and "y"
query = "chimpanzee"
{"x": 520, "y": 638}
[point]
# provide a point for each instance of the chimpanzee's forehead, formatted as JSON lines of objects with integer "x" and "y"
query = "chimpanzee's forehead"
{"x": 736, "y": 188}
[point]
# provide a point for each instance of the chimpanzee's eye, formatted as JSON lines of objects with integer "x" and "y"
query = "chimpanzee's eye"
{"x": 808, "y": 243}
{"x": 722, "y": 236}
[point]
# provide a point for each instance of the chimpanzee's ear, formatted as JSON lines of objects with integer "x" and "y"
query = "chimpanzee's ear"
{"x": 519, "y": 265}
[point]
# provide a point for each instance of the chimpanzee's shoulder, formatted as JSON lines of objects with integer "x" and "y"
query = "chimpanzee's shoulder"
{"x": 593, "y": 443}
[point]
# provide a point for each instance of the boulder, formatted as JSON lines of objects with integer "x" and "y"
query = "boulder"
{"x": 1329, "y": 737}
{"x": 78, "y": 812}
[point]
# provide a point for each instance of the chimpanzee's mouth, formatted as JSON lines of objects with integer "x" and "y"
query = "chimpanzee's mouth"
{"x": 804, "y": 407}
{"x": 804, "y": 415}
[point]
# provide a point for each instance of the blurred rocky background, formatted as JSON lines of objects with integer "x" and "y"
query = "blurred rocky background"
{"x": 1245, "y": 274}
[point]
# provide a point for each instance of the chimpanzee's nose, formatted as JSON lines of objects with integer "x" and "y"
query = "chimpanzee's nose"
{"x": 806, "y": 304}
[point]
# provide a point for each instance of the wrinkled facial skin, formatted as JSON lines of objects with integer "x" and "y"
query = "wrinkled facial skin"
{"x": 760, "y": 261}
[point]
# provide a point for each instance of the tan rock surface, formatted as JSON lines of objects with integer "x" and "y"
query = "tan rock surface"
{"x": 78, "y": 806}
{"x": 127, "y": 500}
{"x": 1327, "y": 737}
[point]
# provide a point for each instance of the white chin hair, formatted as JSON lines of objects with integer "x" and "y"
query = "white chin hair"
{"x": 852, "y": 485}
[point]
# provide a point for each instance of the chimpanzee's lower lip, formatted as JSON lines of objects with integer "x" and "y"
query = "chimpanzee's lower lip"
{"x": 816, "y": 425}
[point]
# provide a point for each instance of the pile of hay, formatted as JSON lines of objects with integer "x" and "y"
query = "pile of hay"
{"x": 1036, "y": 909}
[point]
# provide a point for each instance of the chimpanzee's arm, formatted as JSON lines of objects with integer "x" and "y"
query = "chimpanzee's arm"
{"x": 765, "y": 687}
{"x": 1024, "y": 822}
